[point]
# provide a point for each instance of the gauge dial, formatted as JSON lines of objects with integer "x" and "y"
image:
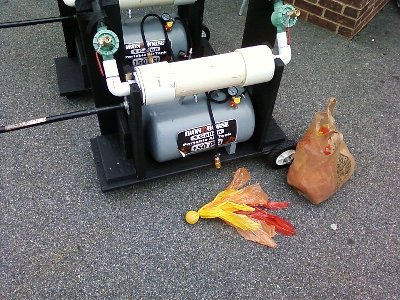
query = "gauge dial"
{"x": 166, "y": 17}
{"x": 233, "y": 91}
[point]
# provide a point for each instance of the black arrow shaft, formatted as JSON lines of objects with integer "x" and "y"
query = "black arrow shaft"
{"x": 59, "y": 118}
{"x": 34, "y": 22}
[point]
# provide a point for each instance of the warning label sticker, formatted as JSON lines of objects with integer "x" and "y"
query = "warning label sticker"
{"x": 202, "y": 138}
{"x": 136, "y": 55}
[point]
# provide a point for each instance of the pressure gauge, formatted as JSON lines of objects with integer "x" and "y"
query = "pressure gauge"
{"x": 233, "y": 91}
{"x": 166, "y": 17}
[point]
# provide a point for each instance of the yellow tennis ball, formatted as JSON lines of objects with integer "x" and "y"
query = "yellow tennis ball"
{"x": 192, "y": 217}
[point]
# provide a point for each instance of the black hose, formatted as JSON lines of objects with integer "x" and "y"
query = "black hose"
{"x": 59, "y": 118}
{"x": 219, "y": 102}
{"x": 187, "y": 31}
{"x": 167, "y": 41}
{"x": 214, "y": 126}
{"x": 35, "y": 22}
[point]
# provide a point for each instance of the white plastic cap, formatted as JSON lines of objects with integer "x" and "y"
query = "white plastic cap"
{"x": 156, "y": 82}
{"x": 260, "y": 64}
{"x": 126, "y": 4}
{"x": 70, "y": 3}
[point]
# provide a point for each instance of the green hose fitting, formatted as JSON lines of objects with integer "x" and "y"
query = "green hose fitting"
{"x": 284, "y": 16}
{"x": 105, "y": 42}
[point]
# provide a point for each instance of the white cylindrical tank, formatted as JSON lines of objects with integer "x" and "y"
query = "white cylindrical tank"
{"x": 163, "y": 82}
{"x": 126, "y": 4}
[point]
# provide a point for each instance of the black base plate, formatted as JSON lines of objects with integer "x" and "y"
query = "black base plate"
{"x": 70, "y": 77}
{"x": 115, "y": 171}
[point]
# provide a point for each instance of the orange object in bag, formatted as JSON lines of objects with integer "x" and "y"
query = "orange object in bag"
{"x": 322, "y": 162}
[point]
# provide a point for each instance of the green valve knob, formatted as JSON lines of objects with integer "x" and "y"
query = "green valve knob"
{"x": 284, "y": 16}
{"x": 105, "y": 42}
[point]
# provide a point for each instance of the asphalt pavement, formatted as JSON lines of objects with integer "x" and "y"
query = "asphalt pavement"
{"x": 62, "y": 238}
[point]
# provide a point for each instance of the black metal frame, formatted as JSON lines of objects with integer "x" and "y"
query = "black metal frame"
{"x": 120, "y": 151}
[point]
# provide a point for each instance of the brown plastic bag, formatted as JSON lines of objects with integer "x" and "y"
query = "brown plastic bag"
{"x": 322, "y": 162}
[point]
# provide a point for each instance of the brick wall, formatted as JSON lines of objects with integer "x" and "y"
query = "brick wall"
{"x": 344, "y": 17}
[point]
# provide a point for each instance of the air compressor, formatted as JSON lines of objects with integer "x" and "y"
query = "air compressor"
{"x": 181, "y": 119}
{"x": 163, "y": 97}
{"x": 160, "y": 37}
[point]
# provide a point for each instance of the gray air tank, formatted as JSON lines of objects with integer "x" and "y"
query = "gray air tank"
{"x": 183, "y": 127}
{"x": 135, "y": 51}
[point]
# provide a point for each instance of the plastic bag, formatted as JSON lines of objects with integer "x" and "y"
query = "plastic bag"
{"x": 322, "y": 162}
{"x": 244, "y": 209}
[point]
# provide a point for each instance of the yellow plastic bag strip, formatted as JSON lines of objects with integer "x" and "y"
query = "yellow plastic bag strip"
{"x": 262, "y": 235}
{"x": 226, "y": 212}
{"x": 250, "y": 195}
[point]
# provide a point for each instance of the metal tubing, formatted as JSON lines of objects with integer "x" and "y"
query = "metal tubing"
{"x": 59, "y": 118}
{"x": 34, "y": 22}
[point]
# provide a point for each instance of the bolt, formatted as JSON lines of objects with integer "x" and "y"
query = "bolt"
{"x": 293, "y": 13}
